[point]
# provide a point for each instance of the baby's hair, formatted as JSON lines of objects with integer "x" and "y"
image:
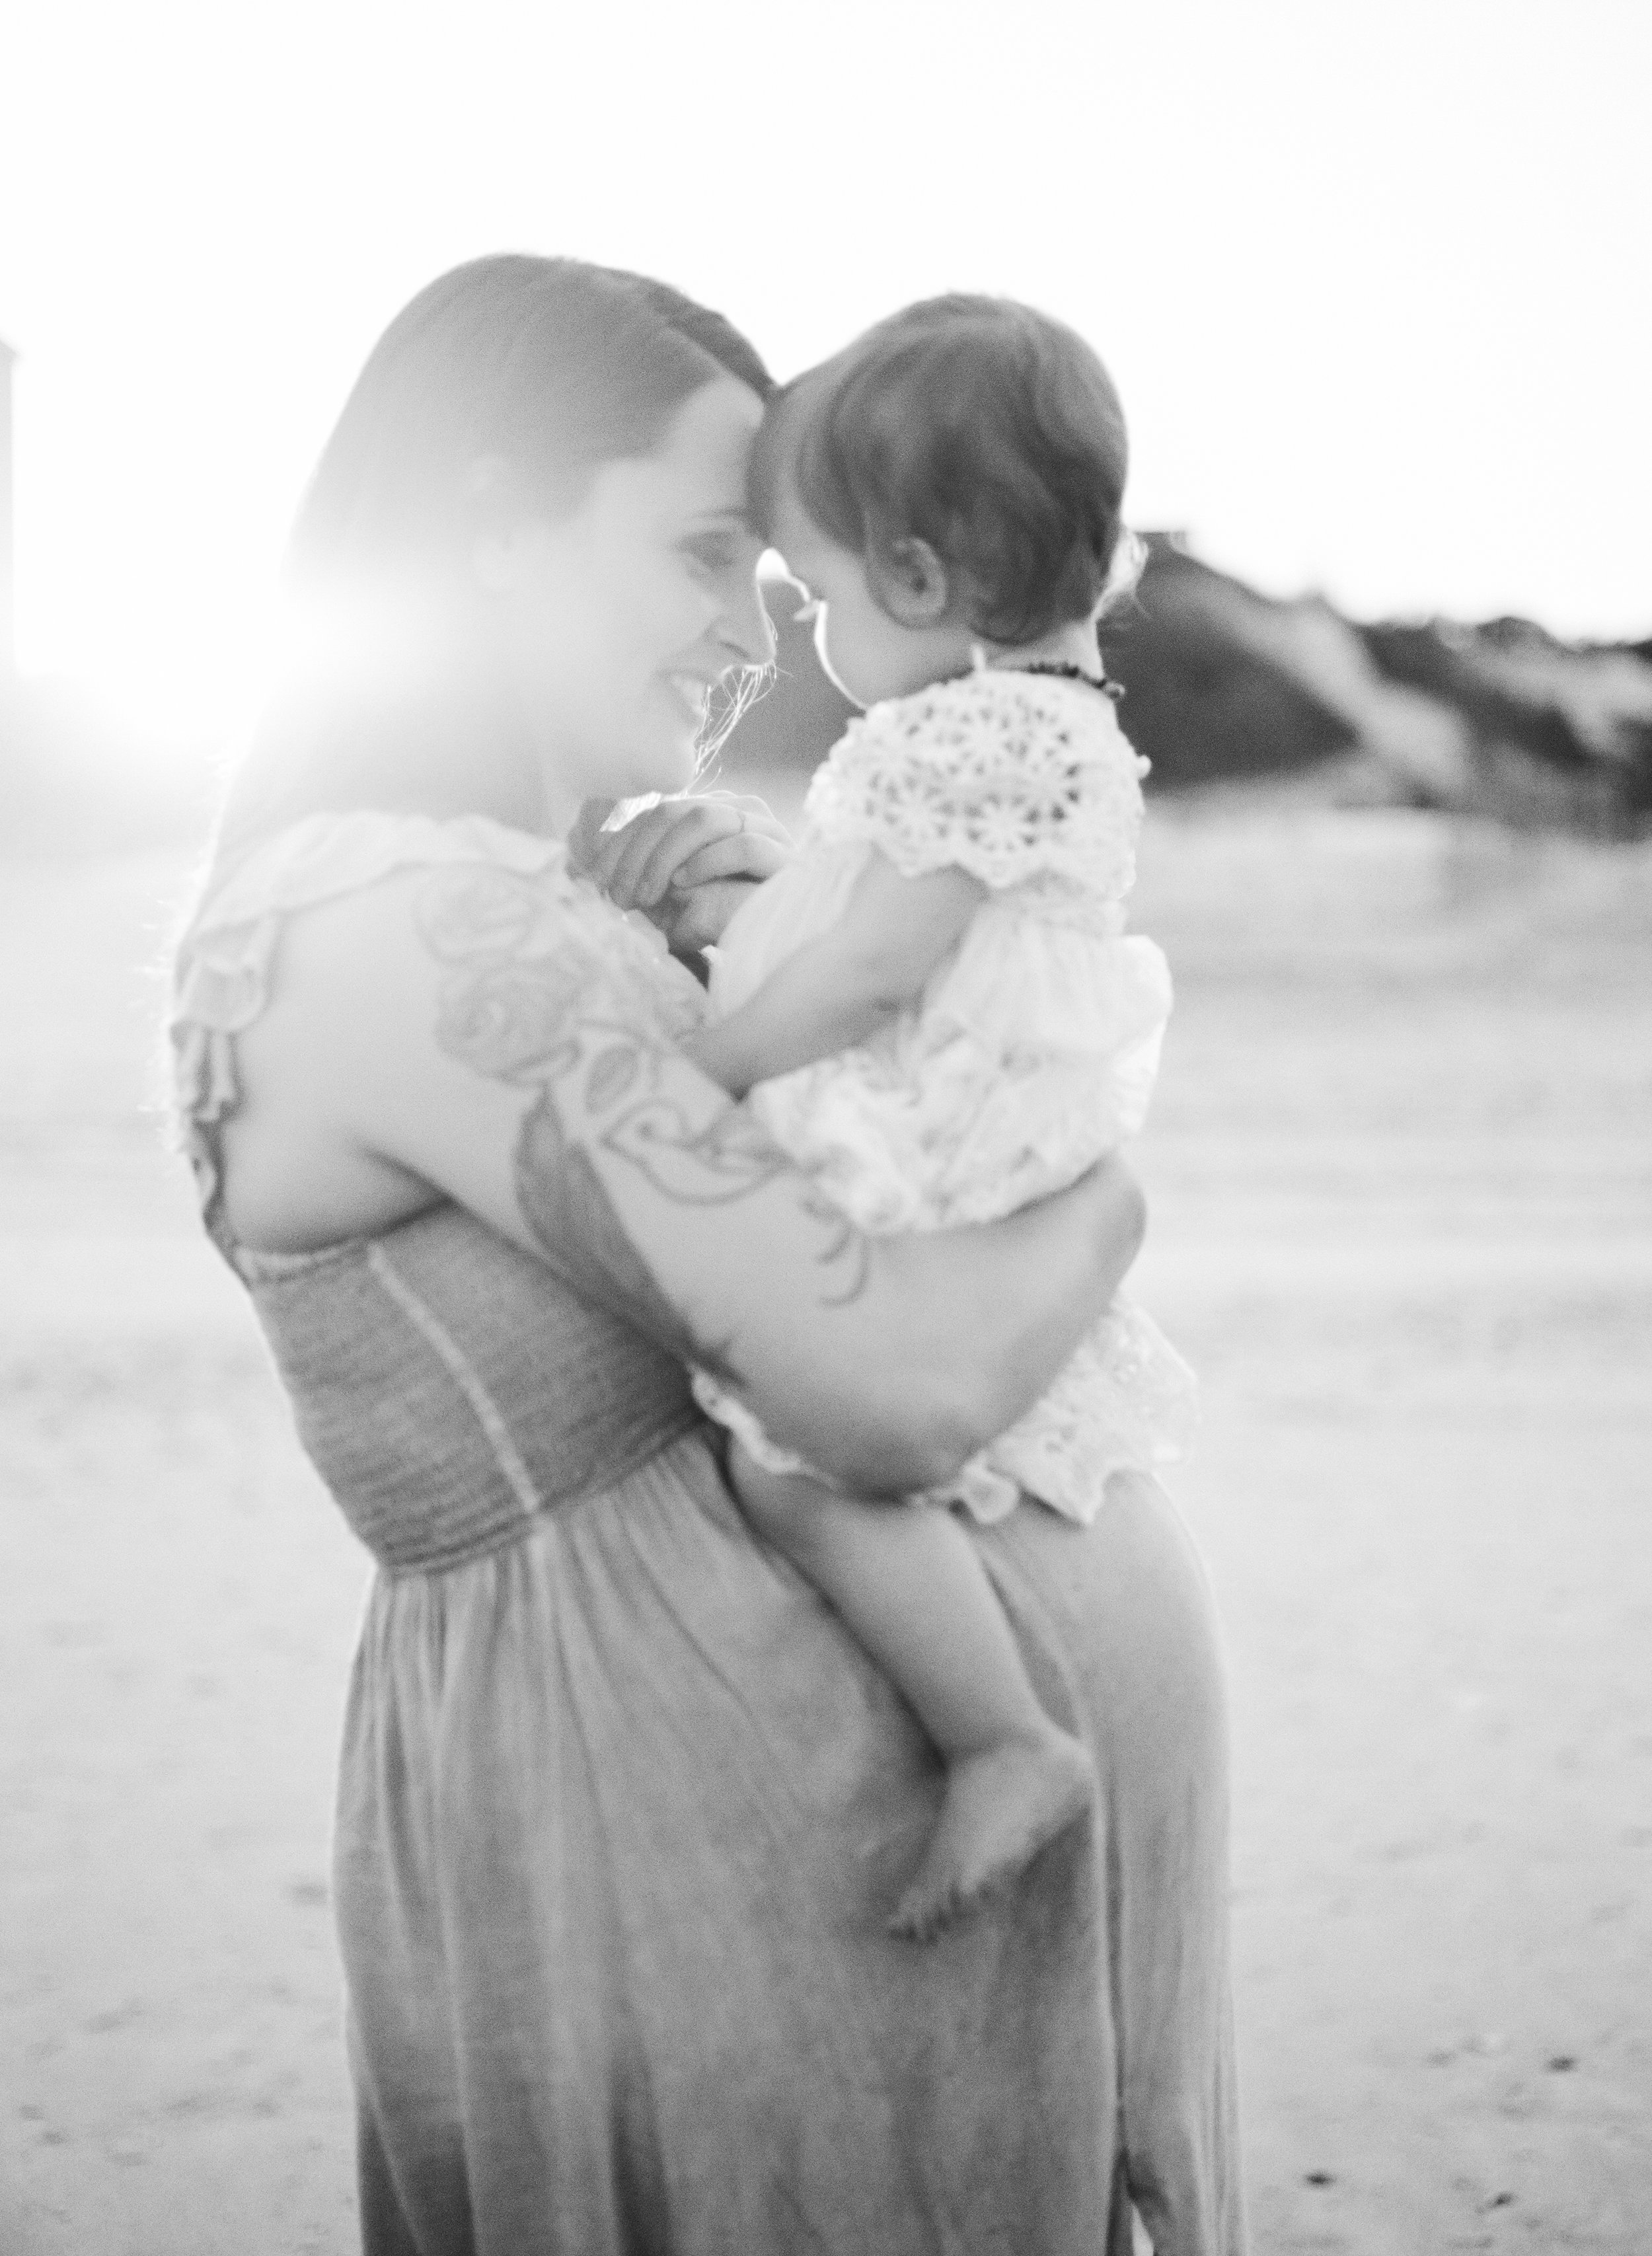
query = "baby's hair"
{"x": 980, "y": 426}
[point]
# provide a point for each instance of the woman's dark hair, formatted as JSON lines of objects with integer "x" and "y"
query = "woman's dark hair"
{"x": 552, "y": 366}
{"x": 975, "y": 424}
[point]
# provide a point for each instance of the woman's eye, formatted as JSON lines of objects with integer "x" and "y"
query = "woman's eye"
{"x": 716, "y": 555}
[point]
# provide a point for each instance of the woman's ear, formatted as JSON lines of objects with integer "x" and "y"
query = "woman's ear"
{"x": 911, "y": 583}
{"x": 492, "y": 525}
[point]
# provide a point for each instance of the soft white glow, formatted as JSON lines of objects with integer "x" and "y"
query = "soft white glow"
{"x": 1372, "y": 280}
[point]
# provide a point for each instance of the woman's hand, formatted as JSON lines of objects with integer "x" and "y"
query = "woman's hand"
{"x": 687, "y": 864}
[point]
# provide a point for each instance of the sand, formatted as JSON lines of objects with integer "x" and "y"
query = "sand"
{"x": 1401, "y": 1168}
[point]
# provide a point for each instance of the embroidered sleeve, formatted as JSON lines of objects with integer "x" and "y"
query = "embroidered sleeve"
{"x": 1008, "y": 776}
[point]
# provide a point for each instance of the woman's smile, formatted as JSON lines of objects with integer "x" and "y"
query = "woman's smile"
{"x": 693, "y": 693}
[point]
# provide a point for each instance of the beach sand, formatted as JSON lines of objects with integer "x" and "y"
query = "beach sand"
{"x": 1400, "y": 1169}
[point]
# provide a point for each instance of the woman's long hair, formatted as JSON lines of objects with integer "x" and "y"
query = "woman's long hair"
{"x": 549, "y": 365}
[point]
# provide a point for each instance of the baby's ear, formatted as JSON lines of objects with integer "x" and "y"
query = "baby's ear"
{"x": 911, "y": 584}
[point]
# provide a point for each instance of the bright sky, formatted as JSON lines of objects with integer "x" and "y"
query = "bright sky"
{"x": 1375, "y": 281}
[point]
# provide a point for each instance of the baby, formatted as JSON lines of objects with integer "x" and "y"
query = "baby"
{"x": 934, "y": 1008}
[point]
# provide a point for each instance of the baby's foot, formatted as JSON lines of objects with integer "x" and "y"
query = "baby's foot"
{"x": 1002, "y": 1806}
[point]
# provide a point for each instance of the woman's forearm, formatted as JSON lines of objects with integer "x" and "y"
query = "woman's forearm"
{"x": 1016, "y": 1296}
{"x": 992, "y": 1314}
{"x": 887, "y": 1361}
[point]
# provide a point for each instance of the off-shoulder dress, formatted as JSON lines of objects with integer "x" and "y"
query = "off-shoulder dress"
{"x": 621, "y": 1806}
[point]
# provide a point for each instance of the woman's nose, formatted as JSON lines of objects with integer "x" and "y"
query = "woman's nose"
{"x": 745, "y": 628}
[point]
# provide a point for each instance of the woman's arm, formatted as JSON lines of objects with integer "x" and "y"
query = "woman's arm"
{"x": 455, "y": 1026}
{"x": 837, "y": 990}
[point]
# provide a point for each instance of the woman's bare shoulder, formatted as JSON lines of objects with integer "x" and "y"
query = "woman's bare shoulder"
{"x": 387, "y": 958}
{"x": 409, "y": 1023}
{"x": 368, "y": 989}
{"x": 338, "y": 1041}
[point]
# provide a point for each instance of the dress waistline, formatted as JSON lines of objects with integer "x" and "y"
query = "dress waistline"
{"x": 410, "y": 1541}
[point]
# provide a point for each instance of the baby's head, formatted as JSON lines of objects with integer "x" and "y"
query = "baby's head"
{"x": 951, "y": 480}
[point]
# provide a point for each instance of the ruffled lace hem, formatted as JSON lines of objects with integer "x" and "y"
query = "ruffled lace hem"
{"x": 1126, "y": 1401}
{"x": 224, "y": 966}
{"x": 730, "y": 1412}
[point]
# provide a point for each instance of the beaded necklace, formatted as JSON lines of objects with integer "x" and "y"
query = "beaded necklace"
{"x": 1065, "y": 673}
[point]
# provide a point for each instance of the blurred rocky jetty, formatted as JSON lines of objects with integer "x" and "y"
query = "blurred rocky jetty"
{"x": 1225, "y": 685}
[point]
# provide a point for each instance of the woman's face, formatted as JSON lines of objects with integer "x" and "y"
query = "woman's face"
{"x": 619, "y": 619}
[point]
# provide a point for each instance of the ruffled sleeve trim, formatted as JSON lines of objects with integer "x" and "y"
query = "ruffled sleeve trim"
{"x": 1008, "y": 776}
{"x": 222, "y": 978}
{"x": 223, "y": 964}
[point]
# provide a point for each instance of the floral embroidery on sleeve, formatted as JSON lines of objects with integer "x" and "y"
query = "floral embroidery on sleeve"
{"x": 1008, "y": 776}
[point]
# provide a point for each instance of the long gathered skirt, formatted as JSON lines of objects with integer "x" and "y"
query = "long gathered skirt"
{"x": 624, "y": 1810}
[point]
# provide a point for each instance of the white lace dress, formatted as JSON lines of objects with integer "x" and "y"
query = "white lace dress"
{"x": 1032, "y": 1053}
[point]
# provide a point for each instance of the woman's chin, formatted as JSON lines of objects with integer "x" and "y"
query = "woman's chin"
{"x": 667, "y": 765}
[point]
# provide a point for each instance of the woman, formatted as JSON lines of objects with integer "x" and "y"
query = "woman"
{"x": 622, "y": 1811}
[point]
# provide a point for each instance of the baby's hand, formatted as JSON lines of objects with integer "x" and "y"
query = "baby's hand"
{"x": 687, "y": 864}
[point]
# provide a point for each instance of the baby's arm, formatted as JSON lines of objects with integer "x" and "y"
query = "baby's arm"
{"x": 838, "y": 989}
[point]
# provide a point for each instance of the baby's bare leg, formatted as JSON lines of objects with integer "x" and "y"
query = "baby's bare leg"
{"x": 912, "y": 1588}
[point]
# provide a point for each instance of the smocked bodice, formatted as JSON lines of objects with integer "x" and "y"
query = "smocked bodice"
{"x": 446, "y": 1386}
